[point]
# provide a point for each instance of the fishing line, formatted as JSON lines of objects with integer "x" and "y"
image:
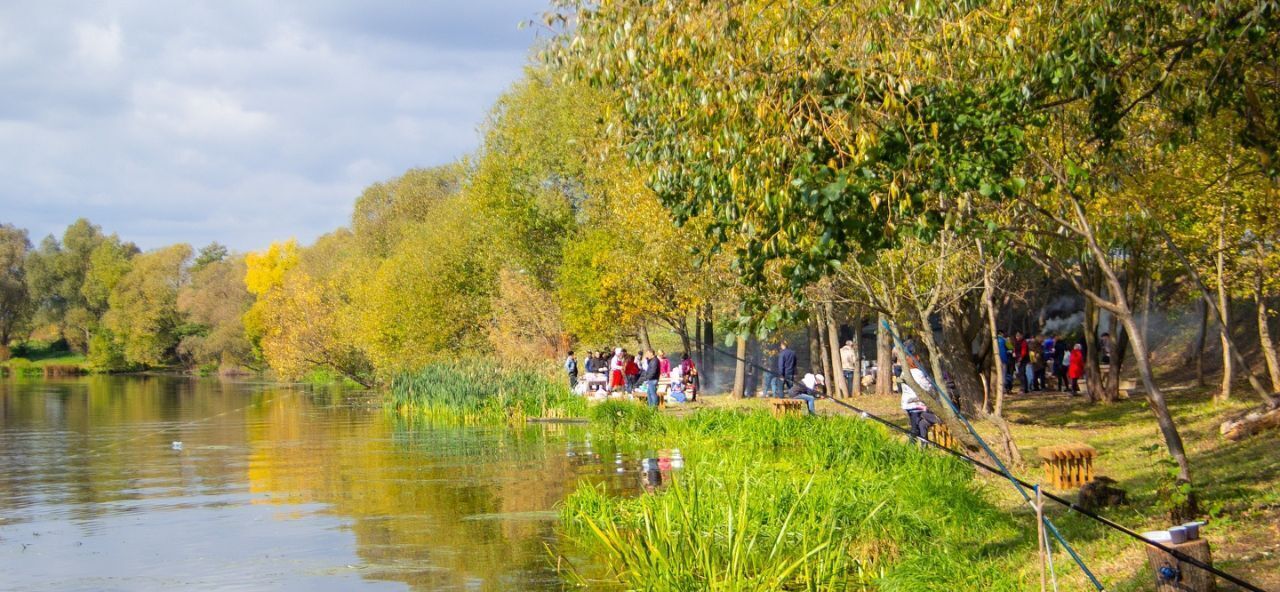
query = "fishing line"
{"x": 108, "y": 446}
{"x": 1066, "y": 503}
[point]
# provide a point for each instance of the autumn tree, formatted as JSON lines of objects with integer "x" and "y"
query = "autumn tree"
{"x": 215, "y": 302}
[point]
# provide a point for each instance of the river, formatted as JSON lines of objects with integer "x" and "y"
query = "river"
{"x": 167, "y": 483}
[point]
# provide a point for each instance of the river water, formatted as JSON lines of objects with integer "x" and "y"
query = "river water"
{"x": 168, "y": 483}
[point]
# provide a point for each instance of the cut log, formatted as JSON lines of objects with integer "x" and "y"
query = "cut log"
{"x": 1175, "y": 576}
{"x": 1251, "y": 423}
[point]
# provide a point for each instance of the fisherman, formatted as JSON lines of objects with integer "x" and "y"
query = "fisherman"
{"x": 806, "y": 390}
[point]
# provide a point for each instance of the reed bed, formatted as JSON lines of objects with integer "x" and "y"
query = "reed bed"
{"x": 797, "y": 504}
{"x": 479, "y": 393}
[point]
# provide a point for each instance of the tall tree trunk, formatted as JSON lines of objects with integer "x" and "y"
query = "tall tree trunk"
{"x": 1146, "y": 311}
{"x": 857, "y": 353}
{"x": 988, "y": 301}
{"x": 996, "y": 417}
{"x": 1155, "y": 397}
{"x": 754, "y": 360}
{"x": 884, "y": 359}
{"x": 1224, "y": 311}
{"x": 1201, "y": 338}
{"x": 1119, "y": 348}
{"x": 963, "y": 372}
{"x": 836, "y": 377}
{"x": 707, "y": 372}
{"x": 682, "y": 328}
{"x": 740, "y": 368}
{"x": 699, "y": 352}
{"x": 644, "y": 337}
{"x": 1095, "y": 381}
{"x": 1264, "y": 334}
{"x": 816, "y": 359}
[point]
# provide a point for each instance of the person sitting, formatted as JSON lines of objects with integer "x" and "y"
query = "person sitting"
{"x": 675, "y": 388}
{"x": 805, "y": 390}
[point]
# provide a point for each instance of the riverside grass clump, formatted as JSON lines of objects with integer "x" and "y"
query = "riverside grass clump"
{"x": 799, "y": 504}
{"x": 481, "y": 392}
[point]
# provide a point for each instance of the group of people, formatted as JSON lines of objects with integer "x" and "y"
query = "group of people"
{"x": 1032, "y": 360}
{"x": 606, "y": 374}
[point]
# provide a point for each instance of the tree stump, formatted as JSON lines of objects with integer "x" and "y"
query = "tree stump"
{"x": 1175, "y": 576}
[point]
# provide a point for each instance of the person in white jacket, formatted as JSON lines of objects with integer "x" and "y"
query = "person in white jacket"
{"x": 913, "y": 404}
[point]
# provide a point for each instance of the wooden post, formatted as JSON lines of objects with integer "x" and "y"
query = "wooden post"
{"x": 1175, "y": 576}
{"x": 1041, "y": 540}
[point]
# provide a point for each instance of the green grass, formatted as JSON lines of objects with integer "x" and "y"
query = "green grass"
{"x": 481, "y": 392}
{"x": 797, "y": 504}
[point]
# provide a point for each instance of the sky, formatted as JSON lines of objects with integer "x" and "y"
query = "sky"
{"x": 239, "y": 121}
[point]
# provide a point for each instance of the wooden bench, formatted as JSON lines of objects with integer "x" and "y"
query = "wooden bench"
{"x": 1068, "y": 466}
{"x": 939, "y": 434}
{"x": 783, "y": 407}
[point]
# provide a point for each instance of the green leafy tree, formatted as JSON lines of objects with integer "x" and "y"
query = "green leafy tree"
{"x": 15, "y": 300}
{"x": 144, "y": 318}
{"x": 213, "y": 252}
{"x": 56, "y": 273}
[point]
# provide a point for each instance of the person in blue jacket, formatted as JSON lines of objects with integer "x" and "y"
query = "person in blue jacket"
{"x": 786, "y": 365}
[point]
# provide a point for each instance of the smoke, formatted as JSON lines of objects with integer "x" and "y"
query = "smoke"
{"x": 1067, "y": 324}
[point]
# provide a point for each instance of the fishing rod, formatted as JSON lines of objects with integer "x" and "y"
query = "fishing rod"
{"x": 1004, "y": 471}
{"x": 1066, "y": 503}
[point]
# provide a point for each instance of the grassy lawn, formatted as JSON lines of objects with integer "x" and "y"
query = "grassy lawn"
{"x": 1238, "y": 482}
{"x": 39, "y": 355}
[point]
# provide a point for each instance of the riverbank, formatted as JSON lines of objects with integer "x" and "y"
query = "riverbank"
{"x": 1238, "y": 482}
{"x": 800, "y": 485}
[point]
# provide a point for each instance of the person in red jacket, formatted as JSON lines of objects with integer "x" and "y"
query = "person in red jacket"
{"x": 1075, "y": 369}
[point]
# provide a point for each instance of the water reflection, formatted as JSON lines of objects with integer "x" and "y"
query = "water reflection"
{"x": 279, "y": 488}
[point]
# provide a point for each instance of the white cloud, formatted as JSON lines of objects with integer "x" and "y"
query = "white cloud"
{"x": 237, "y": 120}
{"x": 195, "y": 111}
{"x": 98, "y": 45}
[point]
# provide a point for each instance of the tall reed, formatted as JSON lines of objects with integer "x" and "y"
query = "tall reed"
{"x": 799, "y": 504}
{"x": 481, "y": 392}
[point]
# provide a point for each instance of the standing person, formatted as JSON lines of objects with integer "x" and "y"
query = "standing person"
{"x": 1050, "y": 342}
{"x": 664, "y": 365}
{"x": 1033, "y": 358}
{"x": 848, "y": 365}
{"x": 652, "y": 371}
{"x": 631, "y": 371}
{"x": 1006, "y": 358}
{"x": 616, "y": 365}
{"x": 589, "y": 362}
{"x": 805, "y": 391}
{"x": 1040, "y": 362}
{"x": 786, "y": 365}
{"x": 1020, "y": 359}
{"x": 913, "y": 404}
{"x": 1104, "y": 352}
{"x": 571, "y": 368}
{"x": 1075, "y": 368}
{"x": 1061, "y": 359}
